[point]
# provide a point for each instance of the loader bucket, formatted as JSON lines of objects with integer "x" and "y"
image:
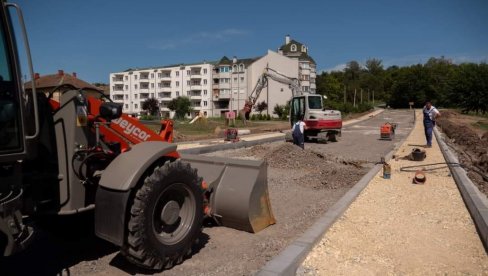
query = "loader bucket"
{"x": 239, "y": 191}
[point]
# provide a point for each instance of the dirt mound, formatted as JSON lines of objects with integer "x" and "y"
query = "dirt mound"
{"x": 472, "y": 150}
{"x": 289, "y": 156}
{"x": 321, "y": 172}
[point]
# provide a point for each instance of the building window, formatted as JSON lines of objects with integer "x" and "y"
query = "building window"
{"x": 187, "y": 82}
{"x": 135, "y": 96}
{"x": 152, "y": 85}
{"x": 242, "y": 79}
{"x": 135, "y": 86}
{"x": 304, "y": 49}
{"x": 177, "y": 94}
{"x": 126, "y": 97}
{"x": 293, "y": 48}
{"x": 126, "y": 87}
{"x": 234, "y": 68}
{"x": 188, "y": 93}
{"x": 135, "y": 77}
{"x": 235, "y": 79}
{"x": 152, "y": 75}
{"x": 205, "y": 113}
{"x": 241, "y": 68}
{"x": 205, "y": 71}
{"x": 204, "y": 92}
{"x": 159, "y": 75}
{"x": 177, "y": 73}
{"x": 126, "y": 77}
{"x": 126, "y": 106}
{"x": 204, "y": 103}
{"x": 135, "y": 105}
{"x": 224, "y": 69}
{"x": 177, "y": 84}
{"x": 188, "y": 72}
{"x": 204, "y": 81}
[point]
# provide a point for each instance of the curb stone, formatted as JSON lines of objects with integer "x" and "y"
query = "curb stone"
{"x": 476, "y": 202}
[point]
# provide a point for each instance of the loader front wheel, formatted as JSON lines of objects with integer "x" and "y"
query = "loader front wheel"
{"x": 166, "y": 217}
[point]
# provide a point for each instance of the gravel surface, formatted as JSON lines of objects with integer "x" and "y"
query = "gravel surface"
{"x": 397, "y": 228}
{"x": 302, "y": 186}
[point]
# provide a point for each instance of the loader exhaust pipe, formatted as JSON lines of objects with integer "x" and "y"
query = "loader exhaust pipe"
{"x": 238, "y": 189}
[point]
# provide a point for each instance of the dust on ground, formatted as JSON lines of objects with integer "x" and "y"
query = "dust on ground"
{"x": 470, "y": 143}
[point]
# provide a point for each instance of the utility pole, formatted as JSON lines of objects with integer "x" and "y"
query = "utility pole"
{"x": 354, "y": 102}
{"x": 361, "y": 95}
{"x": 373, "y": 97}
{"x": 344, "y": 94}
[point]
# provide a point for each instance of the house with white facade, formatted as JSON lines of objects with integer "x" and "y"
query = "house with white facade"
{"x": 307, "y": 66}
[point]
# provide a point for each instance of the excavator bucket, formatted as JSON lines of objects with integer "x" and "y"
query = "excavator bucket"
{"x": 238, "y": 189}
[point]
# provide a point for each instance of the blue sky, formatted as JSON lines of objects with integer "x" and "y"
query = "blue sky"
{"x": 94, "y": 38}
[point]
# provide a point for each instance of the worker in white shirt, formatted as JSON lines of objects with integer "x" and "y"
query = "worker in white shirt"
{"x": 430, "y": 115}
{"x": 298, "y": 132}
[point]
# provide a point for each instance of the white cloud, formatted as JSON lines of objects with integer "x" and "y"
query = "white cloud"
{"x": 338, "y": 67}
{"x": 203, "y": 37}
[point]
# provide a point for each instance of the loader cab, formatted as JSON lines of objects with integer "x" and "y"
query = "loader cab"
{"x": 301, "y": 105}
{"x": 12, "y": 132}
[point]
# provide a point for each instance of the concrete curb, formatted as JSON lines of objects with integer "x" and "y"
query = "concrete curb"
{"x": 227, "y": 146}
{"x": 475, "y": 201}
{"x": 288, "y": 261}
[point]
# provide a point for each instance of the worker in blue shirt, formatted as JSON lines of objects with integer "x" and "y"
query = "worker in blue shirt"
{"x": 430, "y": 115}
{"x": 298, "y": 132}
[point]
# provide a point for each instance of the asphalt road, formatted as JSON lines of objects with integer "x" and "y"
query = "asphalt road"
{"x": 361, "y": 141}
{"x": 68, "y": 245}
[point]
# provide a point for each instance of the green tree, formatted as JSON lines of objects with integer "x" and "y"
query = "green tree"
{"x": 151, "y": 105}
{"x": 260, "y": 107}
{"x": 181, "y": 106}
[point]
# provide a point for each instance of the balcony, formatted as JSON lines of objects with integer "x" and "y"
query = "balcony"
{"x": 165, "y": 89}
{"x": 118, "y": 78}
{"x": 196, "y": 87}
{"x": 144, "y": 96}
{"x": 221, "y": 105}
{"x": 313, "y": 75}
{"x": 224, "y": 95}
{"x": 118, "y": 97}
{"x": 164, "y": 95}
{"x": 195, "y": 96}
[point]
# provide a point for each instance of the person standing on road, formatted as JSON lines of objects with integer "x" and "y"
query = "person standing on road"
{"x": 430, "y": 115}
{"x": 298, "y": 132}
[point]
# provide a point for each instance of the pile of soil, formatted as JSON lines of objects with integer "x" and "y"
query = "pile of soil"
{"x": 471, "y": 148}
{"x": 321, "y": 171}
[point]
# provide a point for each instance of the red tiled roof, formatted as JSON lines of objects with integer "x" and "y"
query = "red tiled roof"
{"x": 51, "y": 81}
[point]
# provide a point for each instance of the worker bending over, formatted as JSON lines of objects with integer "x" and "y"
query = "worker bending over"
{"x": 298, "y": 132}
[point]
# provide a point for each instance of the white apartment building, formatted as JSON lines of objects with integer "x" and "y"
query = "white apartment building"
{"x": 133, "y": 86}
{"x": 307, "y": 66}
{"x": 215, "y": 88}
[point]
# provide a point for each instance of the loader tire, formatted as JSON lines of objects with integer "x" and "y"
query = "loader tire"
{"x": 165, "y": 217}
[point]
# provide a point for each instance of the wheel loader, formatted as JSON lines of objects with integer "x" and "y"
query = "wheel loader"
{"x": 82, "y": 153}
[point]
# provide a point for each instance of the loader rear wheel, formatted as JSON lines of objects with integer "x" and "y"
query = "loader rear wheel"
{"x": 166, "y": 217}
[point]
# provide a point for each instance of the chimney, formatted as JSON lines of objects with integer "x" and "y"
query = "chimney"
{"x": 60, "y": 72}
{"x": 74, "y": 75}
{"x": 36, "y": 76}
{"x": 287, "y": 39}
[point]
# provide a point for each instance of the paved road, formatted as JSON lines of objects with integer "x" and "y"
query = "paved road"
{"x": 361, "y": 141}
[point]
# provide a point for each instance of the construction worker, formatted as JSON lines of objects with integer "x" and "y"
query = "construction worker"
{"x": 430, "y": 115}
{"x": 298, "y": 132}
